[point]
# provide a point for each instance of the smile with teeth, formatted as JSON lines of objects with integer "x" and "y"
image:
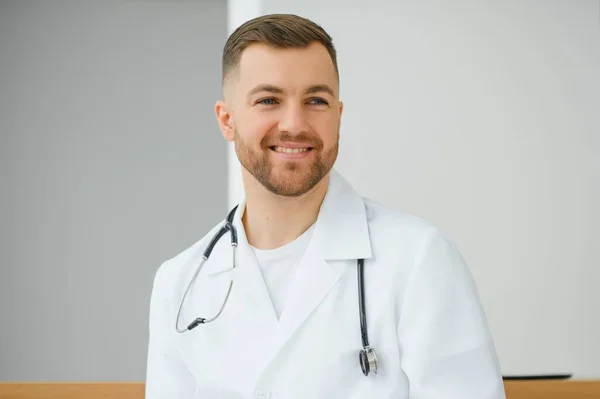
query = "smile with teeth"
{"x": 290, "y": 150}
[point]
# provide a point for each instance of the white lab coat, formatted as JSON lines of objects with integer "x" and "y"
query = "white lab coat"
{"x": 424, "y": 317}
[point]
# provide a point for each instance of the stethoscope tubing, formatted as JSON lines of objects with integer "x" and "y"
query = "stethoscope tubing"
{"x": 368, "y": 358}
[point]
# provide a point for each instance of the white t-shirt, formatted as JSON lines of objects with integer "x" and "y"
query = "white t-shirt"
{"x": 278, "y": 266}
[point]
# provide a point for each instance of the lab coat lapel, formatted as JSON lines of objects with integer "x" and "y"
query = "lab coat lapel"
{"x": 313, "y": 280}
{"x": 341, "y": 233}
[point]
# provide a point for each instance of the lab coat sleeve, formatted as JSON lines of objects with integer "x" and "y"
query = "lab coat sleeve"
{"x": 166, "y": 375}
{"x": 447, "y": 350}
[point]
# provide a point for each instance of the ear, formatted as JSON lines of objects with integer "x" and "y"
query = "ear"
{"x": 225, "y": 120}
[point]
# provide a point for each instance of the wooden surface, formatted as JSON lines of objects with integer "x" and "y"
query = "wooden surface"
{"x": 514, "y": 390}
{"x": 552, "y": 389}
{"x": 72, "y": 391}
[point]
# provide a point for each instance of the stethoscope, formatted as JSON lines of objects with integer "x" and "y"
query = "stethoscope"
{"x": 367, "y": 356}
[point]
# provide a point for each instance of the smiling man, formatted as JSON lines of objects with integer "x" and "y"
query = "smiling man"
{"x": 324, "y": 294}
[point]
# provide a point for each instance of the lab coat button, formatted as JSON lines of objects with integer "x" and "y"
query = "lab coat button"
{"x": 262, "y": 393}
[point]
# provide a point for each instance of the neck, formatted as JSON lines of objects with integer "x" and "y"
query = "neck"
{"x": 271, "y": 221}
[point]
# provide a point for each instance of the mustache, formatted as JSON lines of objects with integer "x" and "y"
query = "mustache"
{"x": 300, "y": 138}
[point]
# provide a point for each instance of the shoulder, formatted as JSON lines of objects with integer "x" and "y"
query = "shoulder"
{"x": 398, "y": 225}
{"x": 414, "y": 253}
{"x": 406, "y": 237}
{"x": 171, "y": 270}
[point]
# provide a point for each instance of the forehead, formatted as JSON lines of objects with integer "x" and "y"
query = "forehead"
{"x": 289, "y": 68}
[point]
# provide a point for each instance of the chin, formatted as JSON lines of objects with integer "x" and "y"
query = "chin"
{"x": 292, "y": 184}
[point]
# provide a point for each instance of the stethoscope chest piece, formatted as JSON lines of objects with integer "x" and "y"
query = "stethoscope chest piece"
{"x": 368, "y": 360}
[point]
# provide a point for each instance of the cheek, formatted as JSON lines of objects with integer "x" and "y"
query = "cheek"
{"x": 327, "y": 127}
{"x": 254, "y": 127}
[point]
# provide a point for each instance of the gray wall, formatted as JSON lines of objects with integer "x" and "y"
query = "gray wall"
{"x": 110, "y": 162}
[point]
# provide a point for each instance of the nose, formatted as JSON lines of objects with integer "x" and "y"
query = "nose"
{"x": 293, "y": 119}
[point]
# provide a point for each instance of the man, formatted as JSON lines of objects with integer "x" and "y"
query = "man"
{"x": 291, "y": 326}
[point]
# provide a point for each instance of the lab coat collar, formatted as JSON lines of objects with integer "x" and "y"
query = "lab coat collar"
{"x": 341, "y": 230}
{"x": 343, "y": 221}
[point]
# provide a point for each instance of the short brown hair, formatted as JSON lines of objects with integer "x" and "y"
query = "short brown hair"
{"x": 276, "y": 30}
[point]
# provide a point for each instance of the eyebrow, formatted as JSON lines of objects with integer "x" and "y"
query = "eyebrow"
{"x": 320, "y": 88}
{"x": 278, "y": 90}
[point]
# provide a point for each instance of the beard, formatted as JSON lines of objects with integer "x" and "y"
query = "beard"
{"x": 291, "y": 178}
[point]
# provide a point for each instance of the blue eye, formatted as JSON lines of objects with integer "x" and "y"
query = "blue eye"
{"x": 318, "y": 101}
{"x": 267, "y": 101}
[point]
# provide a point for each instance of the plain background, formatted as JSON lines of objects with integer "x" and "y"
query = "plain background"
{"x": 479, "y": 116}
{"x": 112, "y": 162}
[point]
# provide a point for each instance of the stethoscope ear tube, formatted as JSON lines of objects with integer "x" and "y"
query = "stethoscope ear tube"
{"x": 214, "y": 240}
